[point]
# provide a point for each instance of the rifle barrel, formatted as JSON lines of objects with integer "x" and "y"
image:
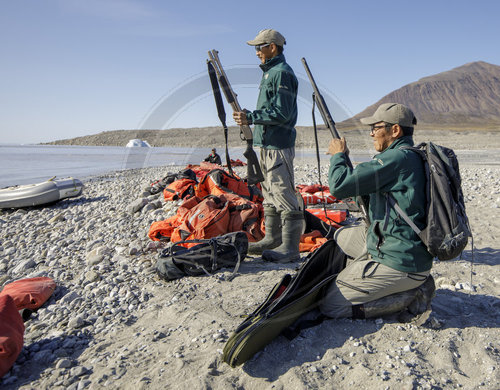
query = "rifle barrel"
{"x": 330, "y": 123}
{"x": 231, "y": 96}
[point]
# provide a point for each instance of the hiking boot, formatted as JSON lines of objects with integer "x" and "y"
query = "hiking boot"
{"x": 387, "y": 305}
{"x": 425, "y": 292}
{"x": 272, "y": 238}
{"x": 288, "y": 251}
{"x": 408, "y": 303}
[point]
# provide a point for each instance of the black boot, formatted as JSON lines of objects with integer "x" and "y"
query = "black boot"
{"x": 272, "y": 238}
{"x": 293, "y": 227}
{"x": 409, "y": 304}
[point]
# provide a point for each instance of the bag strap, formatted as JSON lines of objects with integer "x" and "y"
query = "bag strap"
{"x": 392, "y": 202}
{"x": 213, "y": 255}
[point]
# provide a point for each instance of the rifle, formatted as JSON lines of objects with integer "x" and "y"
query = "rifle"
{"x": 220, "y": 109}
{"x": 330, "y": 124}
{"x": 254, "y": 173}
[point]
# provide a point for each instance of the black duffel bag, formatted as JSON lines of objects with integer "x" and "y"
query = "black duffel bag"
{"x": 204, "y": 258}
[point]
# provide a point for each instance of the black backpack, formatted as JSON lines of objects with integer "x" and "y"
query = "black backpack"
{"x": 206, "y": 257}
{"x": 447, "y": 232}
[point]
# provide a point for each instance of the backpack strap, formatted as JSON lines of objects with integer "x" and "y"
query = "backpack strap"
{"x": 391, "y": 201}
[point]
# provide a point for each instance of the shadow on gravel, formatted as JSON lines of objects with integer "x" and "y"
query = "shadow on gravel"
{"x": 461, "y": 310}
{"x": 311, "y": 345}
{"x": 487, "y": 255}
{"x": 452, "y": 309}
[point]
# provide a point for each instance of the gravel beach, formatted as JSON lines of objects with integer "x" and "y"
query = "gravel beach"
{"x": 111, "y": 323}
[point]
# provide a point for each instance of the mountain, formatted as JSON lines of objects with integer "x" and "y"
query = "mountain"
{"x": 467, "y": 97}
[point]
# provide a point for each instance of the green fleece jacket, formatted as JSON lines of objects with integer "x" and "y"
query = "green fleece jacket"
{"x": 390, "y": 240}
{"x": 276, "y": 112}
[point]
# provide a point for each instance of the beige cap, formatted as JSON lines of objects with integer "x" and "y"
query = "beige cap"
{"x": 268, "y": 36}
{"x": 394, "y": 113}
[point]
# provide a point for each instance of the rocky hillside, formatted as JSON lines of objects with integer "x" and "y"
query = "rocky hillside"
{"x": 466, "y": 97}
{"x": 462, "y": 99}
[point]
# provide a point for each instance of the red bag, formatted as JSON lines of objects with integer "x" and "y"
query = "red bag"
{"x": 332, "y": 217}
{"x": 30, "y": 293}
{"x": 11, "y": 333}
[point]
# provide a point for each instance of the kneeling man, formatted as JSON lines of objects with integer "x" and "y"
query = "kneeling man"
{"x": 389, "y": 260}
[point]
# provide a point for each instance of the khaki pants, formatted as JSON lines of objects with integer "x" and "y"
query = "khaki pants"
{"x": 363, "y": 280}
{"x": 278, "y": 186}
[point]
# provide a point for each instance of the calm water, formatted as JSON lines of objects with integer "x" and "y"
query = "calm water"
{"x": 24, "y": 164}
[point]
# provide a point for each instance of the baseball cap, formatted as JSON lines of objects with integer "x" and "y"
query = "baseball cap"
{"x": 268, "y": 36}
{"x": 395, "y": 113}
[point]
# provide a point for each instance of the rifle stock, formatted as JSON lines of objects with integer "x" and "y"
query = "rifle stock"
{"x": 254, "y": 173}
{"x": 330, "y": 124}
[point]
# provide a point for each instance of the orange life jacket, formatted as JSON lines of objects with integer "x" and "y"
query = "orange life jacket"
{"x": 179, "y": 189}
{"x": 219, "y": 182}
{"x": 309, "y": 242}
{"x": 245, "y": 216}
{"x": 207, "y": 219}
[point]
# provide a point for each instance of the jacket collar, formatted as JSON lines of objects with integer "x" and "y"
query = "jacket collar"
{"x": 272, "y": 62}
{"x": 405, "y": 140}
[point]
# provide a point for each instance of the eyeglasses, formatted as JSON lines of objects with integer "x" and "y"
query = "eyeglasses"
{"x": 259, "y": 47}
{"x": 374, "y": 128}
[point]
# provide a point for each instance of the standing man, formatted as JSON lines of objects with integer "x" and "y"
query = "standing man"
{"x": 391, "y": 266}
{"x": 274, "y": 132}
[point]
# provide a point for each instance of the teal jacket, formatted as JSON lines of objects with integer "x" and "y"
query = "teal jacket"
{"x": 390, "y": 240}
{"x": 276, "y": 112}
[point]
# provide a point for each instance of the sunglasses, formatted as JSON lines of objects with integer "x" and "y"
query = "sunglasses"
{"x": 374, "y": 128}
{"x": 259, "y": 47}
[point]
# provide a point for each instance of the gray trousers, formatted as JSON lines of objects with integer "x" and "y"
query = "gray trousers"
{"x": 363, "y": 280}
{"x": 278, "y": 186}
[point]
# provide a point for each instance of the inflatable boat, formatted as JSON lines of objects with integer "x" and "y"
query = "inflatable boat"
{"x": 38, "y": 194}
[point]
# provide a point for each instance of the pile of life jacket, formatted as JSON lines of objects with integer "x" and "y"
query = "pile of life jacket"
{"x": 216, "y": 203}
{"x": 315, "y": 194}
{"x": 219, "y": 203}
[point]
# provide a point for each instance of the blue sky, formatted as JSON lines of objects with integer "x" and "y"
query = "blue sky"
{"x": 70, "y": 68}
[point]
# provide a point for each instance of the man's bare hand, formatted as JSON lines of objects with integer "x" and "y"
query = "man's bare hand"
{"x": 240, "y": 117}
{"x": 337, "y": 146}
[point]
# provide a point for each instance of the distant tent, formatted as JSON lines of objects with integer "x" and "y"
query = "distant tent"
{"x": 138, "y": 143}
